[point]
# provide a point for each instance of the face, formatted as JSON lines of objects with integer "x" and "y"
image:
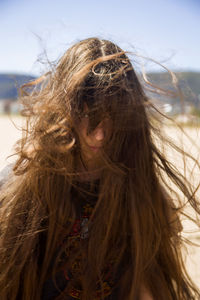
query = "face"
{"x": 91, "y": 143}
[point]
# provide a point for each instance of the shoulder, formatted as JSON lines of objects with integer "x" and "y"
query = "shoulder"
{"x": 5, "y": 174}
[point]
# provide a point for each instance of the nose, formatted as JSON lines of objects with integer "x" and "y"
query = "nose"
{"x": 99, "y": 133}
{"x": 102, "y": 130}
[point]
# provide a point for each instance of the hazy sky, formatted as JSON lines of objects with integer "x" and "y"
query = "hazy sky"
{"x": 165, "y": 30}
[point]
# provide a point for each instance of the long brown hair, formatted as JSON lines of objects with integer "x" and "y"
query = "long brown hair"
{"x": 132, "y": 222}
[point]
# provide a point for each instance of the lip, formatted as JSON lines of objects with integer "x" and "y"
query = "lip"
{"x": 95, "y": 149}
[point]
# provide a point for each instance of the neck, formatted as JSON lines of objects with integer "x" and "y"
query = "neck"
{"x": 90, "y": 169}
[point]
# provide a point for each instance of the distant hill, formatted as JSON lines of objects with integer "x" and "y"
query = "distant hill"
{"x": 9, "y": 83}
{"x": 188, "y": 81}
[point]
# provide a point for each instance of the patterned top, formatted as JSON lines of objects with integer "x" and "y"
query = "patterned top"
{"x": 79, "y": 234}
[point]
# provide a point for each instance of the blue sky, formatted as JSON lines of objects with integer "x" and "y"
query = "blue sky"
{"x": 165, "y": 30}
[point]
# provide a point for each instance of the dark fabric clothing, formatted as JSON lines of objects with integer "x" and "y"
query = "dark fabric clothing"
{"x": 85, "y": 199}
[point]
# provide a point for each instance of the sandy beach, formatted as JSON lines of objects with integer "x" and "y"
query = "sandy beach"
{"x": 10, "y": 133}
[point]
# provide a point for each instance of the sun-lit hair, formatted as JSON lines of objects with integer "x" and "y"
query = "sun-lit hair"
{"x": 135, "y": 223}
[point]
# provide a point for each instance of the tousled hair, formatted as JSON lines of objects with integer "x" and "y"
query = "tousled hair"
{"x": 134, "y": 223}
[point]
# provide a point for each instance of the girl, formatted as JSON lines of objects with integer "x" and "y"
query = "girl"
{"x": 84, "y": 213}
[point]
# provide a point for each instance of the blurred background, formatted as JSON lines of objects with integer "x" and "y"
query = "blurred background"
{"x": 35, "y": 33}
